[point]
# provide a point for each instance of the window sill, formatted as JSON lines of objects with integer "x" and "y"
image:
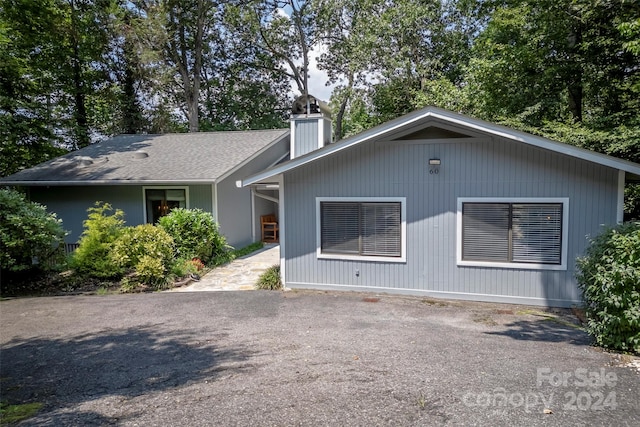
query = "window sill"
{"x": 347, "y": 257}
{"x": 512, "y": 265}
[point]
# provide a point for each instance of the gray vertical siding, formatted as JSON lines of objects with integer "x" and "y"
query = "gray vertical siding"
{"x": 264, "y": 207}
{"x": 71, "y": 203}
{"x": 480, "y": 168}
{"x": 306, "y": 136}
{"x": 234, "y": 204}
{"x": 200, "y": 197}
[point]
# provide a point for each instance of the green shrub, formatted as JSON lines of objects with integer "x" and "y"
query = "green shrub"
{"x": 27, "y": 231}
{"x": 609, "y": 277}
{"x": 183, "y": 267}
{"x": 146, "y": 249}
{"x": 142, "y": 240}
{"x": 101, "y": 230}
{"x": 151, "y": 271}
{"x": 195, "y": 234}
{"x": 270, "y": 279}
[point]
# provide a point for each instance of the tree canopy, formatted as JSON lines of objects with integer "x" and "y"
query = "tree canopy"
{"x": 75, "y": 71}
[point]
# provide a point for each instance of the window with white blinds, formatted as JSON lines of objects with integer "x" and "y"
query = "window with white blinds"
{"x": 512, "y": 232}
{"x": 361, "y": 228}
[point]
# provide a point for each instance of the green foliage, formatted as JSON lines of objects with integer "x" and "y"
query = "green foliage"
{"x": 11, "y": 414}
{"x": 195, "y": 234}
{"x": 632, "y": 202}
{"x": 631, "y": 31}
{"x": 247, "y": 250}
{"x": 609, "y": 277}
{"x": 270, "y": 279}
{"x": 151, "y": 271}
{"x": 146, "y": 249}
{"x": 101, "y": 231}
{"x": 27, "y": 231}
{"x": 183, "y": 267}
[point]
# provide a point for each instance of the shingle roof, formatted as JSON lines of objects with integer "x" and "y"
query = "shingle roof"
{"x": 185, "y": 157}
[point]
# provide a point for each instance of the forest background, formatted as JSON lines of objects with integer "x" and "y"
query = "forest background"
{"x": 74, "y": 72}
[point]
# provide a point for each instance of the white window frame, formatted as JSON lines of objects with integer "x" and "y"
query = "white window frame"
{"x": 162, "y": 187}
{"x": 403, "y": 229}
{"x": 515, "y": 265}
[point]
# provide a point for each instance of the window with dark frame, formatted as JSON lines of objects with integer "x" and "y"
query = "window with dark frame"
{"x": 160, "y": 201}
{"x": 512, "y": 232}
{"x": 361, "y": 228}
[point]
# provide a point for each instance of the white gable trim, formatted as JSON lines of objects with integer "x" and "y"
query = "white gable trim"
{"x": 464, "y": 122}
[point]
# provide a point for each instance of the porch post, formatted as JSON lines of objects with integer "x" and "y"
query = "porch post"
{"x": 253, "y": 214}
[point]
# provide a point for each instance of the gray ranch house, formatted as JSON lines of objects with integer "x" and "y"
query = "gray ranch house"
{"x": 148, "y": 175}
{"x": 437, "y": 203}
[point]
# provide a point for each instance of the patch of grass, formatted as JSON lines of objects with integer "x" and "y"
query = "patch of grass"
{"x": 230, "y": 255}
{"x": 237, "y": 253}
{"x": 270, "y": 279}
{"x": 10, "y": 414}
{"x": 484, "y": 318}
{"x": 431, "y": 301}
{"x": 421, "y": 401}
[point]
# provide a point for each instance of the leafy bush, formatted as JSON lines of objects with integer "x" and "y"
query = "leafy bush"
{"x": 142, "y": 240}
{"x": 151, "y": 271}
{"x": 146, "y": 249}
{"x": 609, "y": 277}
{"x": 270, "y": 279}
{"x": 183, "y": 267}
{"x": 101, "y": 230}
{"x": 195, "y": 234}
{"x": 27, "y": 231}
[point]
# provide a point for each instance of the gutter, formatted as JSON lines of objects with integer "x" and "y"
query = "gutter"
{"x": 105, "y": 182}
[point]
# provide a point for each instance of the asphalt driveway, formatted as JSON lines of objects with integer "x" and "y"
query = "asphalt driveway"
{"x": 305, "y": 358}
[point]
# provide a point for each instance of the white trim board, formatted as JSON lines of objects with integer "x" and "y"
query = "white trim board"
{"x": 514, "y": 265}
{"x": 403, "y": 229}
{"x": 471, "y": 296}
{"x": 434, "y": 116}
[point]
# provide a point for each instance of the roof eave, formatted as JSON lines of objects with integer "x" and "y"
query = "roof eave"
{"x": 225, "y": 175}
{"x": 106, "y": 182}
{"x": 375, "y": 132}
{"x": 457, "y": 119}
{"x": 538, "y": 141}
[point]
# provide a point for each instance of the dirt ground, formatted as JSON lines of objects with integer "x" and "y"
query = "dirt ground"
{"x": 306, "y": 358}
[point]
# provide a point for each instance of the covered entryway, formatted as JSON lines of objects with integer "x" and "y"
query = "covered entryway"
{"x": 265, "y": 213}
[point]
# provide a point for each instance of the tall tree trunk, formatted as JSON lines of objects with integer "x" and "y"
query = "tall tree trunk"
{"x": 190, "y": 69}
{"x": 343, "y": 107}
{"x": 575, "y": 74}
{"x": 82, "y": 127}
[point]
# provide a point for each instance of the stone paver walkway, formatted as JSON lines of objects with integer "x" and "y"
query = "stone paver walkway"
{"x": 240, "y": 274}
